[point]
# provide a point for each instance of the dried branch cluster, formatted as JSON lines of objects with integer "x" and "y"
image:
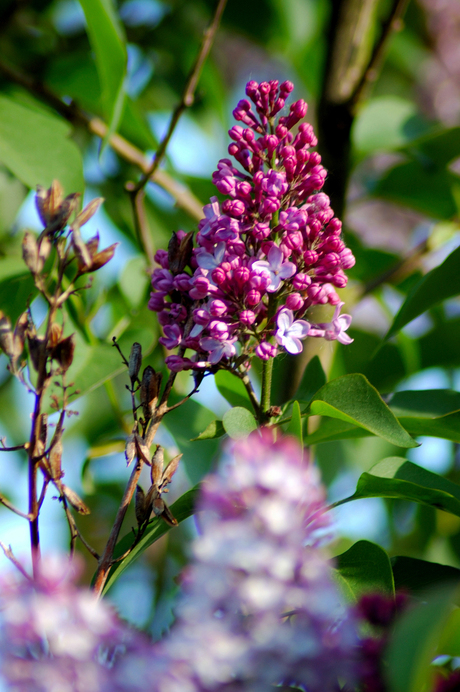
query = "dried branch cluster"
{"x": 56, "y": 260}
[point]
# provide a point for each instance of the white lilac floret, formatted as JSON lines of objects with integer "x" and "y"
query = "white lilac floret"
{"x": 272, "y": 244}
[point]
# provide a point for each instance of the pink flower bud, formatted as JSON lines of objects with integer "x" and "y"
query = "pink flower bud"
{"x": 253, "y": 297}
{"x": 301, "y": 282}
{"x": 200, "y": 288}
{"x": 161, "y": 258}
{"x": 157, "y": 301}
{"x": 218, "y": 276}
{"x": 310, "y": 257}
{"x": 265, "y": 350}
{"x": 294, "y": 301}
{"x": 247, "y": 317}
{"x": 217, "y": 308}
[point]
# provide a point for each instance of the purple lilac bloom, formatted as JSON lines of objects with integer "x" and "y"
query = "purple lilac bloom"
{"x": 260, "y": 607}
{"x": 273, "y": 242}
{"x": 290, "y": 332}
{"x": 57, "y": 637}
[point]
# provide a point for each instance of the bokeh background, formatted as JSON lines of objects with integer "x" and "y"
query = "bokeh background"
{"x": 400, "y": 208}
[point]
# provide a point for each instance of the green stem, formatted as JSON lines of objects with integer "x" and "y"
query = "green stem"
{"x": 267, "y": 371}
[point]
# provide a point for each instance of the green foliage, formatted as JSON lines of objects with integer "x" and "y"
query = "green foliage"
{"x": 398, "y": 478}
{"x": 352, "y": 399}
{"x": 35, "y": 147}
{"x": 364, "y": 568}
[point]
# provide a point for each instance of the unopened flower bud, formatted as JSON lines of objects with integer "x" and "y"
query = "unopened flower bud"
{"x": 135, "y": 362}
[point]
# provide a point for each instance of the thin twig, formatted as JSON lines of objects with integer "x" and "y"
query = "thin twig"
{"x": 370, "y": 74}
{"x": 188, "y": 95}
{"x": 14, "y": 509}
{"x": 141, "y": 224}
{"x": 105, "y": 561}
{"x": 13, "y": 449}
{"x": 183, "y": 197}
{"x": 9, "y": 555}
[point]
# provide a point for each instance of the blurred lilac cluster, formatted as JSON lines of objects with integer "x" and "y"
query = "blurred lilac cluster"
{"x": 264, "y": 256}
{"x": 55, "y": 636}
{"x": 259, "y": 605}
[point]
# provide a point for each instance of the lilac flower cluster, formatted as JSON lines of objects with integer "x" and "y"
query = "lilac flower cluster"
{"x": 264, "y": 256}
{"x": 57, "y": 637}
{"x": 260, "y": 607}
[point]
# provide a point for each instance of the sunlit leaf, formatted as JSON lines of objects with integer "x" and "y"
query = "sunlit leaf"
{"x": 239, "y": 422}
{"x": 106, "y": 37}
{"x": 354, "y": 400}
{"x": 398, "y": 478}
{"x": 214, "y": 429}
{"x": 36, "y": 148}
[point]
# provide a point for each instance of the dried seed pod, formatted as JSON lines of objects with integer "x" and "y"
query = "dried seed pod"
{"x": 44, "y": 249}
{"x": 55, "y": 457}
{"x": 19, "y": 336}
{"x": 43, "y": 428}
{"x": 30, "y": 253}
{"x": 6, "y": 335}
{"x": 37, "y": 351}
{"x": 135, "y": 362}
{"x": 169, "y": 471}
{"x": 158, "y": 507}
{"x": 167, "y": 516}
{"x": 156, "y": 471}
{"x": 139, "y": 505}
{"x": 93, "y": 244}
{"x": 130, "y": 449}
{"x": 66, "y": 209}
{"x": 103, "y": 257}
{"x": 142, "y": 448}
{"x": 81, "y": 251}
{"x": 48, "y": 201}
{"x": 55, "y": 335}
{"x": 63, "y": 352}
{"x": 89, "y": 211}
{"x": 150, "y": 388}
{"x": 74, "y": 499}
{"x": 179, "y": 252}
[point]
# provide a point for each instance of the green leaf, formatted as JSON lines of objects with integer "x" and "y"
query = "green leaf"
{"x": 331, "y": 429}
{"x": 354, "y": 400}
{"x": 312, "y": 380}
{"x": 417, "y": 575}
{"x": 386, "y": 122}
{"x": 185, "y": 423}
{"x": 295, "y": 425}
{"x": 36, "y": 148}
{"x": 239, "y": 422}
{"x": 414, "y": 642}
{"x": 449, "y": 640}
{"x": 425, "y": 403}
{"x": 107, "y": 40}
{"x": 362, "y": 568}
{"x": 214, "y": 429}
{"x": 422, "y": 186}
{"x": 398, "y": 478}
{"x": 439, "y": 284}
{"x": 181, "y": 509}
{"x": 15, "y": 294}
{"x": 446, "y": 427}
{"x": 232, "y": 389}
